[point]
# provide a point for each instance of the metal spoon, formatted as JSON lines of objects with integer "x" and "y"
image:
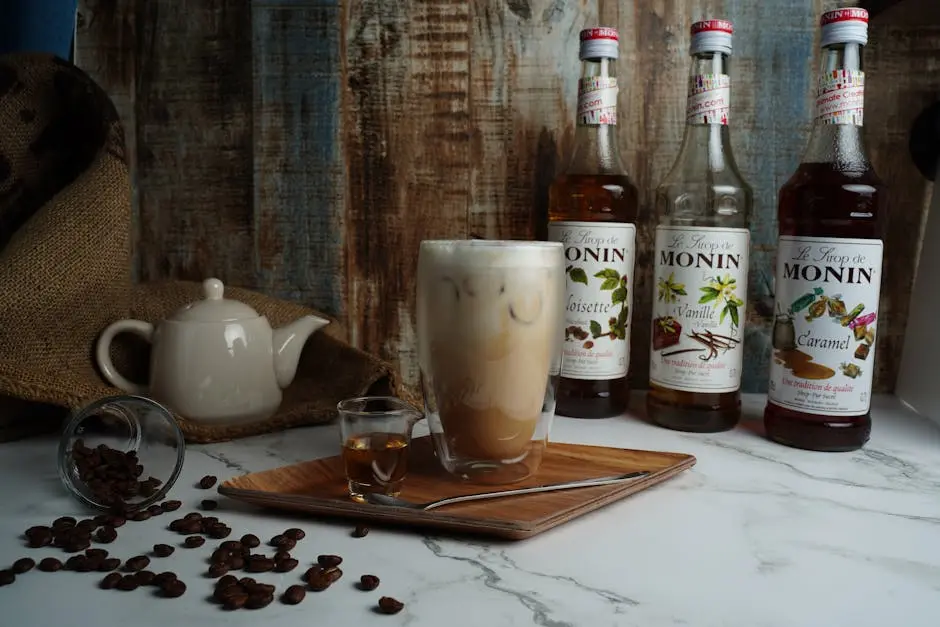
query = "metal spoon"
{"x": 382, "y": 499}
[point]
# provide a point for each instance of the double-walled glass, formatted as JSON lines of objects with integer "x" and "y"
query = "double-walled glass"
{"x": 490, "y": 333}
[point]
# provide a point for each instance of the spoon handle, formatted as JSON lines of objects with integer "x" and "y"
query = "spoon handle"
{"x": 567, "y": 485}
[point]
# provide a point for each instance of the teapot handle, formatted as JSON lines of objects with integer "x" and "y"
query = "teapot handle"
{"x": 103, "y": 352}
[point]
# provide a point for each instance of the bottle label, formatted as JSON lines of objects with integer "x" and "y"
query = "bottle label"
{"x": 840, "y": 97}
{"x": 709, "y": 99}
{"x": 827, "y": 292}
{"x": 597, "y": 100}
{"x": 698, "y": 313}
{"x": 599, "y": 266}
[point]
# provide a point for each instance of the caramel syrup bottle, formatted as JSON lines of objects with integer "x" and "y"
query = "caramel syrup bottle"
{"x": 592, "y": 210}
{"x": 701, "y": 256}
{"x": 828, "y": 273}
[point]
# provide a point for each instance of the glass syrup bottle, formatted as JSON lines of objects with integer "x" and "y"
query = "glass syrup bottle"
{"x": 701, "y": 256}
{"x": 832, "y": 214}
{"x": 592, "y": 210}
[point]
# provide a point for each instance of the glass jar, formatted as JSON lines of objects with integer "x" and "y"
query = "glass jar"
{"x": 121, "y": 452}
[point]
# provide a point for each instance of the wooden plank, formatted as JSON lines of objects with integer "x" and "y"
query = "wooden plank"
{"x": 407, "y": 151}
{"x": 105, "y": 48}
{"x": 193, "y": 102}
{"x": 523, "y": 91}
{"x": 299, "y": 178}
{"x": 902, "y": 76}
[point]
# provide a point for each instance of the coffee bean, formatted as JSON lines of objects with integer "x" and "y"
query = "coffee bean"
{"x": 7, "y": 577}
{"x": 145, "y": 577}
{"x": 192, "y": 516}
{"x": 109, "y": 564}
{"x": 190, "y": 526}
{"x": 285, "y": 565}
{"x": 217, "y": 570}
{"x": 117, "y": 521}
{"x": 101, "y": 519}
{"x": 247, "y": 582}
{"x": 333, "y": 574}
{"x": 329, "y": 560}
{"x": 23, "y": 565}
{"x": 220, "y": 556}
{"x": 368, "y": 582}
{"x": 208, "y": 521}
{"x": 163, "y": 550}
{"x": 388, "y": 605}
{"x": 96, "y": 553}
{"x": 259, "y": 600}
{"x": 64, "y": 521}
{"x": 219, "y": 531}
{"x": 87, "y": 524}
{"x": 250, "y": 540}
{"x": 136, "y": 563}
{"x": 207, "y": 482}
{"x": 231, "y": 545}
{"x": 173, "y": 589}
{"x": 236, "y": 562}
{"x": 235, "y": 601}
{"x": 49, "y": 565}
{"x": 75, "y": 562}
{"x": 163, "y": 578}
{"x": 170, "y": 506}
{"x": 194, "y": 542}
{"x": 37, "y": 530}
{"x": 361, "y": 531}
{"x": 76, "y": 545}
{"x": 282, "y": 555}
{"x": 259, "y": 564}
{"x": 257, "y": 587}
{"x": 294, "y": 595}
{"x": 226, "y": 580}
{"x": 37, "y": 537}
{"x": 209, "y": 504}
{"x": 141, "y": 516}
{"x": 110, "y": 581}
{"x": 106, "y": 535}
{"x": 127, "y": 583}
{"x": 295, "y": 534}
{"x": 277, "y": 540}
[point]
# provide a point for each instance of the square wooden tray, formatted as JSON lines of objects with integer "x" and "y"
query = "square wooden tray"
{"x": 319, "y": 487}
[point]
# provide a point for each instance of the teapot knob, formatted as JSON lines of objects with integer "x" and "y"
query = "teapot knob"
{"x": 213, "y": 289}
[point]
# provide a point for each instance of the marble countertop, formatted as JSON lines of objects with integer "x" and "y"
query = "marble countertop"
{"x": 755, "y": 535}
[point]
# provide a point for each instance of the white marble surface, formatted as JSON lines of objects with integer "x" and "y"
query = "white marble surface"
{"x": 755, "y": 535}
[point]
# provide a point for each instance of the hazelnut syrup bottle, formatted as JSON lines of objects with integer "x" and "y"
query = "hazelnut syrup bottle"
{"x": 828, "y": 272}
{"x": 592, "y": 210}
{"x": 701, "y": 256}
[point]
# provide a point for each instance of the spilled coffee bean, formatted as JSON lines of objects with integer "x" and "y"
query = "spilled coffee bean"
{"x": 110, "y": 581}
{"x": 127, "y": 583}
{"x": 294, "y": 595}
{"x": 23, "y": 565}
{"x": 7, "y": 577}
{"x": 137, "y": 563}
{"x": 49, "y": 565}
{"x": 295, "y": 534}
{"x": 109, "y": 564}
{"x": 329, "y": 560}
{"x": 170, "y": 506}
{"x": 217, "y": 570}
{"x": 173, "y": 589}
{"x": 250, "y": 540}
{"x": 163, "y": 550}
{"x": 194, "y": 542}
{"x": 209, "y": 504}
{"x": 163, "y": 578}
{"x": 389, "y": 605}
{"x": 207, "y": 482}
{"x": 361, "y": 531}
{"x": 368, "y": 583}
{"x": 145, "y": 577}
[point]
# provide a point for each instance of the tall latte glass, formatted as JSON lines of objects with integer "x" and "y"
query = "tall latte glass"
{"x": 490, "y": 337}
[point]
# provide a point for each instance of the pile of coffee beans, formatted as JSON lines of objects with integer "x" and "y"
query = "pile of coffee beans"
{"x": 113, "y": 476}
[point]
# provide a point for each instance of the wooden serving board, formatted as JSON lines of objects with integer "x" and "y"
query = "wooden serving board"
{"x": 319, "y": 487}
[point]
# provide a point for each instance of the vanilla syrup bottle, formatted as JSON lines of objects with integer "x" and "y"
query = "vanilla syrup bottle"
{"x": 701, "y": 256}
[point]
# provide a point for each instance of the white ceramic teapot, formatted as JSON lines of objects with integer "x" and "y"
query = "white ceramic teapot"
{"x": 215, "y": 361}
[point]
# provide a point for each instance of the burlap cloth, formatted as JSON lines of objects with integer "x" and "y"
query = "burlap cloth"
{"x": 65, "y": 267}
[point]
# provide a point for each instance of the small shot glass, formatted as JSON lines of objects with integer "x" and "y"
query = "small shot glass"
{"x": 376, "y": 436}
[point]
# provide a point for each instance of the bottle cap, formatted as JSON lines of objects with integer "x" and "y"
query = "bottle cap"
{"x": 599, "y": 43}
{"x": 844, "y": 26}
{"x": 711, "y": 36}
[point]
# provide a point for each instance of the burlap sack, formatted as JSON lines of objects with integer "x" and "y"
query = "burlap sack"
{"x": 65, "y": 267}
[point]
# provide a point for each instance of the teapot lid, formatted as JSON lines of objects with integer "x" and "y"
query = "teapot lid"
{"x": 213, "y": 307}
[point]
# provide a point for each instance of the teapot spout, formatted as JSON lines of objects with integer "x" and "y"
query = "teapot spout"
{"x": 288, "y": 342}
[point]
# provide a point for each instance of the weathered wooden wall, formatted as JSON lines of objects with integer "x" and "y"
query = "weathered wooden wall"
{"x": 305, "y": 147}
